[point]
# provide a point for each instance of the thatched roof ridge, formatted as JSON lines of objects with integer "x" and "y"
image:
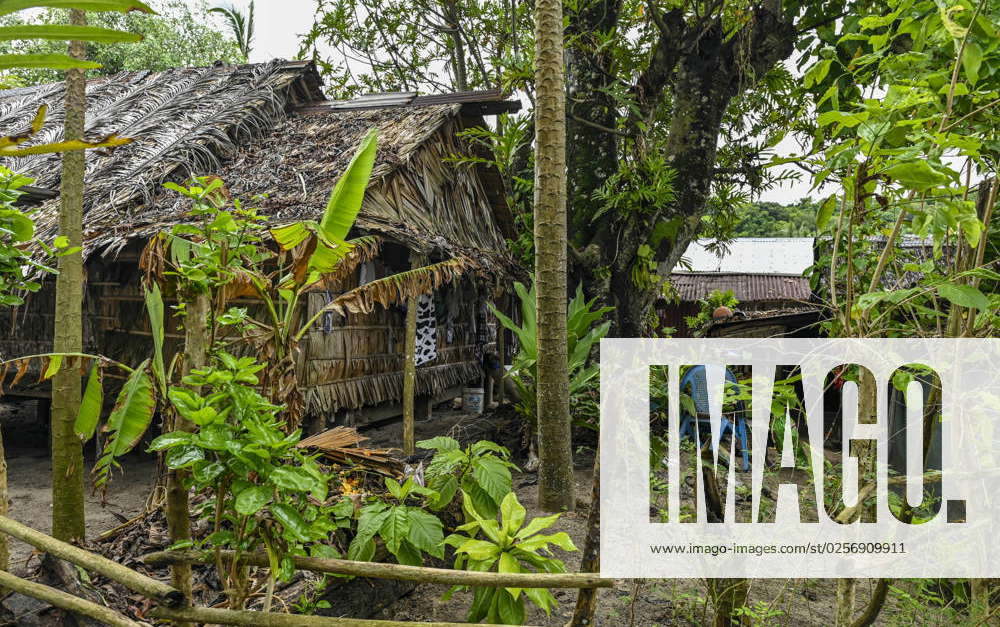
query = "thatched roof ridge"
{"x": 239, "y": 122}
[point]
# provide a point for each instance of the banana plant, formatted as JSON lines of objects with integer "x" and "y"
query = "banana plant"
{"x": 11, "y": 145}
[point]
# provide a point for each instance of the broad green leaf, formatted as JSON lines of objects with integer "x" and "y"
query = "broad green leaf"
{"x": 917, "y": 175}
{"x": 369, "y": 524}
{"x": 121, "y": 6}
{"x": 361, "y": 551}
{"x": 292, "y": 521}
{"x": 393, "y": 487}
{"x": 493, "y": 476}
{"x": 964, "y": 296}
{"x": 292, "y": 479}
{"x": 816, "y": 74}
{"x": 168, "y": 440}
{"x": 154, "y": 310}
{"x": 439, "y": 443}
{"x": 133, "y": 411}
{"x": 480, "y": 500}
{"x": 55, "y": 363}
{"x": 395, "y": 527}
{"x": 328, "y": 255}
{"x": 46, "y": 61}
{"x": 513, "y": 514}
{"x": 349, "y": 192}
{"x": 563, "y": 541}
{"x": 509, "y": 564}
{"x": 537, "y": 524}
{"x": 17, "y": 223}
{"x": 183, "y": 456}
{"x": 250, "y": 500}
{"x": 291, "y": 235}
{"x": 90, "y": 405}
{"x": 207, "y": 471}
{"x": 65, "y": 32}
{"x": 509, "y": 609}
{"x": 479, "y": 549}
{"x": 426, "y": 532}
{"x": 542, "y": 598}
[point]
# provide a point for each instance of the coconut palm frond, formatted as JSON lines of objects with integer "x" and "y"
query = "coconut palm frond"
{"x": 240, "y": 24}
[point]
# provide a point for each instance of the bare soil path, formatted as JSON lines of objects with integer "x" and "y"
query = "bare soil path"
{"x": 29, "y": 480}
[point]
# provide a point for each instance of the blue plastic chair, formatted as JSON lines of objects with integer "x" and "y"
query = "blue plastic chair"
{"x": 695, "y": 378}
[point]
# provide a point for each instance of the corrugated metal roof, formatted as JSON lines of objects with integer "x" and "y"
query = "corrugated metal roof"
{"x": 756, "y": 255}
{"x": 746, "y": 287}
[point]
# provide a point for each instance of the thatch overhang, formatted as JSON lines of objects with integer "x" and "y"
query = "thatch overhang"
{"x": 265, "y": 129}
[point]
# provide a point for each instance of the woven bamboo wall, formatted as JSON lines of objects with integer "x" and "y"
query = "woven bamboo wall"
{"x": 356, "y": 360}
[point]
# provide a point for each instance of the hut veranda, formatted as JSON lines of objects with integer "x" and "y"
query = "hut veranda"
{"x": 278, "y": 144}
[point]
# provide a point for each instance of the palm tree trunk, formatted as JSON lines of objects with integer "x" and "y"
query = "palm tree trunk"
{"x": 555, "y": 477}
{"x": 68, "y": 521}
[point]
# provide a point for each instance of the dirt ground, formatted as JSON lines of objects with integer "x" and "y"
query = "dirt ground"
{"x": 784, "y": 602}
{"x": 29, "y": 480}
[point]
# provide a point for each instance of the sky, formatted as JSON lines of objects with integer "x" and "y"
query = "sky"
{"x": 279, "y": 24}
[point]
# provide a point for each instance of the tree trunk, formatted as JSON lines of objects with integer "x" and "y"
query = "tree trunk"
{"x": 728, "y": 595}
{"x": 555, "y": 477}
{"x": 586, "y": 599}
{"x": 68, "y": 521}
{"x": 865, "y": 451}
{"x": 196, "y": 343}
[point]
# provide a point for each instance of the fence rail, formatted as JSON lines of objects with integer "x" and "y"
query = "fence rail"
{"x": 172, "y": 604}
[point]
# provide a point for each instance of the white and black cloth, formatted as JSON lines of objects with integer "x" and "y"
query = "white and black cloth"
{"x": 426, "y": 349}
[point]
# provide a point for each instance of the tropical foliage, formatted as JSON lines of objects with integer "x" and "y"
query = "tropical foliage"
{"x": 507, "y": 545}
{"x": 584, "y": 331}
{"x": 181, "y": 34}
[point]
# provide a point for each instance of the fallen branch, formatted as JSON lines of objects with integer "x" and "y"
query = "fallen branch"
{"x": 147, "y": 586}
{"x": 267, "y": 619}
{"x": 378, "y": 570}
{"x": 64, "y": 600}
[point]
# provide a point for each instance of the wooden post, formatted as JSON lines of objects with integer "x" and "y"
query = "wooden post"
{"x": 502, "y": 349}
{"x": 410, "y": 361}
{"x": 409, "y": 374}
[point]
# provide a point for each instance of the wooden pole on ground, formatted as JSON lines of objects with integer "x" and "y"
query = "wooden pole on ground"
{"x": 66, "y": 601}
{"x": 147, "y": 586}
{"x": 377, "y": 570}
{"x": 265, "y": 619}
{"x": 502, "y": 349}
{"x": 4, "y": 551}
{"x": 410, "y": 361}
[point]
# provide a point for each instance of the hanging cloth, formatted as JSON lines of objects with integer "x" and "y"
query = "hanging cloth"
{"x": 426, "y": 349}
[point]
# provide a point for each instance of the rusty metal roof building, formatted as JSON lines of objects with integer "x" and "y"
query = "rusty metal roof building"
{"x": 746, "y": 287}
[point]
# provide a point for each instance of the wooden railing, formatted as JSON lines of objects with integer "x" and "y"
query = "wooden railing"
{"x": 172, "y": 605}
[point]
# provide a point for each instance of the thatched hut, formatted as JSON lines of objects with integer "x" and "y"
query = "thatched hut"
{"x": 268, "y": 131}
